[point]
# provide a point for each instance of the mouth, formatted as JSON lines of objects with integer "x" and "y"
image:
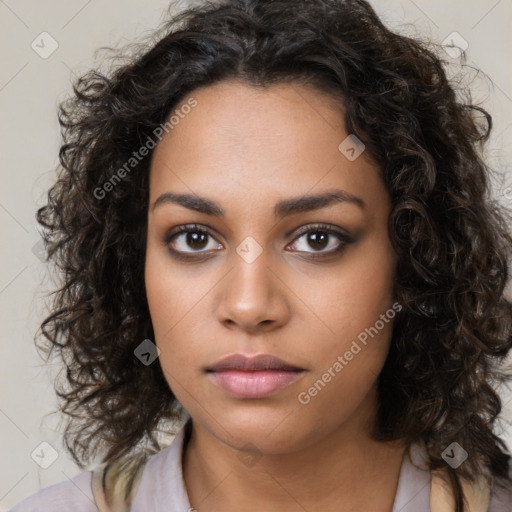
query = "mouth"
{"x": 253, "y": 377}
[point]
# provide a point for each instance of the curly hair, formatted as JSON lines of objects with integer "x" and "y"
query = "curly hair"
{"x": 449, "y": 341}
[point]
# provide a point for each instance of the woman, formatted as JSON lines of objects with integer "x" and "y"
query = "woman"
{"x": 276, "y": 242}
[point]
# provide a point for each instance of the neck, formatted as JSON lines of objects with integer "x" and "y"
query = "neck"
{"x": 344, "y": 470}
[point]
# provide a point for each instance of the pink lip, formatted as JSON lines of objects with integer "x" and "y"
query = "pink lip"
{"x": 253, "y": 376}
{"x": 254, "y": 384}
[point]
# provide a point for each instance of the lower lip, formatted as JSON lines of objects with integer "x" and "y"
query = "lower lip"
{"x": 254, "y": 384}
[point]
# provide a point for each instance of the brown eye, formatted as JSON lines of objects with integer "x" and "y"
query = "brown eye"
{"x": 190, "y": 239}
{"x": 322, "y": 239}
{"x": 318, "y": 239}
{"x": 196, "y": 239}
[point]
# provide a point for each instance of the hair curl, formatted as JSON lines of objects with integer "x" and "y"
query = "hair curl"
{"x": 453, "y": 247}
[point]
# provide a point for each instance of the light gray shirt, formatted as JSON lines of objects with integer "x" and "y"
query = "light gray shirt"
{"x": 162, "y": 488}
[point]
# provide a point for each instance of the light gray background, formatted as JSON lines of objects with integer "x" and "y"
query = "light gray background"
{"x": 31, "y": 88}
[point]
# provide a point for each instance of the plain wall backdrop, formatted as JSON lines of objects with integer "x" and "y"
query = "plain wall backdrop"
{"x": 43, "y": 45}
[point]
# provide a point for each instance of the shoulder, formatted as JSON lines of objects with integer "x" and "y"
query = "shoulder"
{"x": 162, "y": 479}
{"x": 72, "y": 494}
{"x": 415, "y": 485}
{"x": 501, "y": 497}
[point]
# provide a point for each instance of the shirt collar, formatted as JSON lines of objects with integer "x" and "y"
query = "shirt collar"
{"x": 163, "y": 485}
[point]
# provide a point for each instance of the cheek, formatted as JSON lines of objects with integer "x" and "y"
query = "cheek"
{"x": 166, "y": 295}
{"x": 355, "y": 307}
{"x": 171, "y": 290}
{"x": 175, "y": 297}
{"x": 348, "y": 362}
{"x": 352, "y": 297}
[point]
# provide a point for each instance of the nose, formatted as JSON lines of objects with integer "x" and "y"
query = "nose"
{"x": 253, "y": 298}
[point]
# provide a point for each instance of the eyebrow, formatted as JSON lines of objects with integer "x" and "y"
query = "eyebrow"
{"x": 283, "y": 208}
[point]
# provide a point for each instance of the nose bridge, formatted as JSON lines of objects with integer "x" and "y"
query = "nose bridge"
{"x": 252, "y": 270}
{"x": 252, "y": 293}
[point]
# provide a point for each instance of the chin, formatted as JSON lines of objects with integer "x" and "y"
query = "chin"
{"x": 271, "y": 431}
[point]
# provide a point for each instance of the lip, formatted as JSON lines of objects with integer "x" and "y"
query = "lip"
{"x": 253, "y": 377}
{"x": 251, "y": 363}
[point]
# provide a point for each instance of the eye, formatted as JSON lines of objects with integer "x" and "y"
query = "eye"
{"x": 323, "y": 239}
{"x": 192, "y": 237}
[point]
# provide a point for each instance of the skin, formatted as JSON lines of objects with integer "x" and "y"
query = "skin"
{"x": 247, "y": 148}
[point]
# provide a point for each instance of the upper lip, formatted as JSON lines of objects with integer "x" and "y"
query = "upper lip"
{"x": 251, "y": 363}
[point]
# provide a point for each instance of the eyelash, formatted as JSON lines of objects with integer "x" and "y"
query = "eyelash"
{"x": 323, "y": 228}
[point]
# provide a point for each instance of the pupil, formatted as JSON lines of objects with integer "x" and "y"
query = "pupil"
{"x": 318, "y": 242}
{"x": 193, "y": 238}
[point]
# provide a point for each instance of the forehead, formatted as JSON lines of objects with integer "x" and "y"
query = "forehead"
{"x": 247, "y": 144}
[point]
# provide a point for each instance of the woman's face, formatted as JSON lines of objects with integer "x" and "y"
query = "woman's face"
{"x": 268, "y": 279}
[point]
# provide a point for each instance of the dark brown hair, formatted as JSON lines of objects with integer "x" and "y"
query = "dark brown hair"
{"x": 453, "y": 247}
